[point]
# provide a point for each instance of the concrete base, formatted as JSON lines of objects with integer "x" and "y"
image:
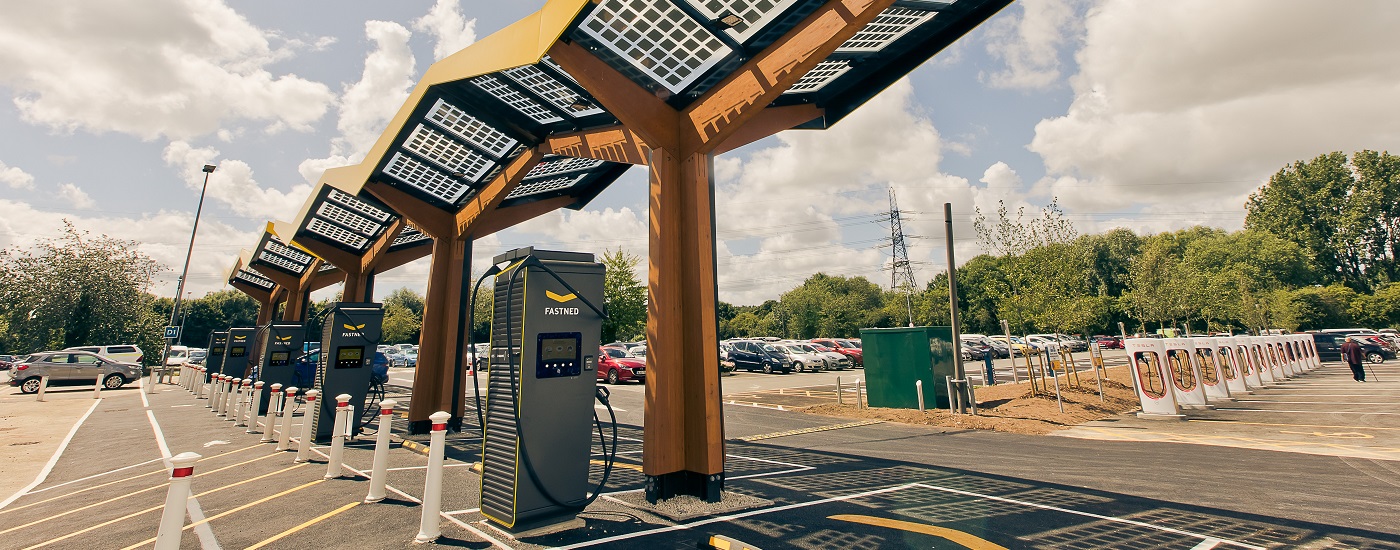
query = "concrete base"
{"x": 1153, "y": 416}
{"x": 543, "y": 527}
{"x": 1197, "y": 407}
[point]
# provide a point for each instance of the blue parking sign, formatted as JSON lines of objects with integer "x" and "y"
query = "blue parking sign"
{"x": 172, "y": 332}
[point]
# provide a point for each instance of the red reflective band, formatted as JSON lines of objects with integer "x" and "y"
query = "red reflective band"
{"x": 342, "y": 403}
{"x": 182, "y": 472}
{"x": 386, "y": 412}
{"x": 439, "y": 427}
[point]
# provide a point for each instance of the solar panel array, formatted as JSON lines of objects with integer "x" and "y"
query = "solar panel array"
{"x": 346, "y": 221}
{"x": 274, "y": 254}
{"x": 408, "y": 237}
{"x": 254, "y": 277}
{"x": 892, "y": 24}
{"x": 555, "y": 174}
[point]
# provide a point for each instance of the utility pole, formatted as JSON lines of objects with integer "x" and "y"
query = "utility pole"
{"x": 180, "y": 289}
{"x": 901, "y": 269}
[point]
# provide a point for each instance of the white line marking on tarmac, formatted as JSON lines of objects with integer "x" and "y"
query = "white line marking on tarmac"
{"x": 48, "y": 467}
{"x": 600, "y": 406}
{"x": 1207, "y": 544}
{"x": 95, "y": 475}
{"x": 477, "y": 532}
{"x": 1307, "y": 402}
{"x": 207, "y": 541}
{"x": 1301, "y": 412}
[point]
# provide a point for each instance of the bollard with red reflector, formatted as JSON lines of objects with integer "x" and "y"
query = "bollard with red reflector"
{"x": 336, "y": 463}
{"x": 246, "y": 412}
{"x": 380, "y": 470}
{"x": 242, "y": 404}
{"x": 172, "y": 520}
{"x": 304, "y": 446}
{"x": 284, "y": 438}
{"x": 235, "y": 399}
{"x": 219, "y": 392}
{"x": 255, "y": 417}
{"x": 274, "y": 402}
{"x": 429, "y": 528}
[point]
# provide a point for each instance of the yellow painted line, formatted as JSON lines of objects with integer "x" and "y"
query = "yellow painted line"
{"x": 416, "y": 447}
{"x": 293, "y": 530}
{"x": 154, "y": 508}
{"x": 972, "y": 542}
{"x": 810, "y": 430}
{"x": 617, "y": 465}
{"x": 115, "y": 499}
{"x": 231, "y": 511}
{"x": 161, "y": 471}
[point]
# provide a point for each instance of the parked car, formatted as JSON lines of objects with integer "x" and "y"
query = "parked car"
{"x": 1329, "y": 348}
{"x": 758, "y": 355}
{"x": 125, "y": 353}
{"x": 800, "y": 359}
{"x": 972, "y": 351}
{"x": 8, "y": 361}
{"x": 69, "y": 367}
{"x": 637, "y": 351}
{"x": 998, "y": 348}
{"x": 178, "y": 355}
{"x": 1020, "y": 346}
{"x": 726, "y": 364}
{"x": 616, "y": 367}
{"x": 198, "y": 356}
{"x": 1108, "y": 342}
{"x": 834, "y": 360}
{"x": 846, "y": 347}
{"x": 410, "y": 358}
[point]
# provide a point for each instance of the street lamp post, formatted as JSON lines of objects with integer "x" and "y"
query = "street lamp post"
{"x": 180, "y": 290}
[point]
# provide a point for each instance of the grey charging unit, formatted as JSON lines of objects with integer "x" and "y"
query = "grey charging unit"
{"x": 280, "y": 346}
{"x": 238, "y": 350}
{"x": 349, "y": 336}
{"x": 214, "y": 359}
{"x": 538, "y": 423}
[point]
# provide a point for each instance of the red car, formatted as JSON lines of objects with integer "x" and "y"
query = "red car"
{"x": 1109, "y": 342}
{"x": 848, "y": 348}
{"x": 616, "y": 367}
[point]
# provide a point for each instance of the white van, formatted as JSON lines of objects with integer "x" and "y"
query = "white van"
{"x": 128, "y": 353}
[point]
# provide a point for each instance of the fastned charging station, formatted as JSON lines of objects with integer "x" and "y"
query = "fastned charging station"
{"x": 214, "y": 360}
{"x": 281, "y": 342}
{"x": 237, "y": 352}
{"x": 539, "y": 416}
{"x": 349, "y": 335}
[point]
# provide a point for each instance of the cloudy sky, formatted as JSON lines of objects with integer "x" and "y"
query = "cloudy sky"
{"x": 1145, "y": 115}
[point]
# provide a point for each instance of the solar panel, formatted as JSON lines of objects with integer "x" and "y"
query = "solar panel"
{"x": 350, "y": 220}
{"x": 409, "y": 236}
{"x": 255, "y": 278}
{"x": 656, "y": 38}
{"x": 553, "y": 65}
{"x": 326, "y": 267}
{"x": 276, "y": 247}
{"x": 554, "y": 166}
{"x": 336, "y": 233}
{"x": 756, "y": 15}
{"x": 552, "y": 90}
{"x": 470, "y": 128}
{"x": 359, "y": 205}
{"x": 426, "y": 179}
{"x": 447, "y": 153}
{"x": 545, "y": 186}
{"x": 515, "y": 99}
{"x": 887, "y": 27}
{"x": 281, "y": 262}
{"x": 821, "y": 75}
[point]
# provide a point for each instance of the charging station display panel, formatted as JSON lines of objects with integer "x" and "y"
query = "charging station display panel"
{"x": 559, "y": 355}
{"x": 236, "y": 352}
{"x": 279, "y": 359}
{"x": 214, "y": 360}
{"x": 279, "y": 343}
{"x": 350, "y": 357}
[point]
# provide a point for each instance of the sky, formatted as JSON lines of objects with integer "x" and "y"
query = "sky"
{"x": 1151, "y": 116}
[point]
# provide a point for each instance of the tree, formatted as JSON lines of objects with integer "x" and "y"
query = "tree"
{"x": 624, "y": 297}
{"x": 216, "y": 311}
{"x": 78, "y": 289}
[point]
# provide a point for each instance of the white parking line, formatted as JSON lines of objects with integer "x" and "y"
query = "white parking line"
{"x": 62, "y": 446}
{"x": 95, "y": 475}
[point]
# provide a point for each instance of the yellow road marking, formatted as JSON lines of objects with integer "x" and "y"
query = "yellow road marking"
{"x": 293, "y": 530}
{"x": 617, "y": 464}
{"x": 972, "y": 542}
{"x": 230, "y": 511}
{"x": 123, "y": 497}
{"x": 1342, "y": 435}
{"x": 161, "y": 471}
{"x": 810, "y": 430}
{"x": 154, "y": 508}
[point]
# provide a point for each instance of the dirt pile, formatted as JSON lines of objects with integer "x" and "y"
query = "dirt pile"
{"x": 1013, "y": 408}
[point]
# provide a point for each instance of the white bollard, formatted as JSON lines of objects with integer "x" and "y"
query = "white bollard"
{"x": 97, "y": 386}
{"x": 255, "y": 417}
{"x": 919, "y": 387}
{"x": 151, "y": 387}
{"x": 335, "y": 465}
{"x": 43, "y": 386}
{"x": 210, "y": 389}
{"x": 249, "y": 403}
{"x": 379, "y": 472}
{"x": 274, "y": 402}
{"x": 428, "y": 527}
{"x": 172, "y": 520}
{"x": 235, "y": 399}
{"x": 218, "y": 392}
{"x": 307, "y": 419}
{"x": 284, "y": 439}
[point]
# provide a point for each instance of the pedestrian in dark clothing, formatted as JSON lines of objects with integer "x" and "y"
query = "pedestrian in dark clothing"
{"x": 1352, "y": 354}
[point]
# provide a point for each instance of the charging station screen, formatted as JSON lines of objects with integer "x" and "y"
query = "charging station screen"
{"x": 237, "y": 351}
{"x": 558, "y": 355}
{"x": 218, "y": 350}
{"x": 279, "y": 358}
{"x": 350, "y": 357}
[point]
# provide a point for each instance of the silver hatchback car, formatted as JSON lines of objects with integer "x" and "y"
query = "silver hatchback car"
{"x": 71, "y": 368}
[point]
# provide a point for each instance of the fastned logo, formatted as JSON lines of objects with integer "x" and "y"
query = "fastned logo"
{"x": 286, "y": 338}
{"x": 349, "y": 326}
{"x": 561, "y": 298}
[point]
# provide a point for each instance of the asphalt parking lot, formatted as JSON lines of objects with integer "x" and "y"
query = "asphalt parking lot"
{"x": 831, "y": 484}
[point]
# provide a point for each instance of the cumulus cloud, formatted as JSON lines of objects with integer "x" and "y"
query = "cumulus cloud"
{"x": 71, "y": 195}
{"x": 1029, "y": 44}
{"x": 451, "y": 30}
{"x": 15, "y": 178}
{"x": 366, "y": 106}
{"x": 233, "y": 183}
{"x": 1188, "y": 113}
{"x": 173, "y": 68}
{"x": 591, "y": 230}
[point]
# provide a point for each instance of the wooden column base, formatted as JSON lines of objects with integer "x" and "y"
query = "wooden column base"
{"x": 435, "y": 379}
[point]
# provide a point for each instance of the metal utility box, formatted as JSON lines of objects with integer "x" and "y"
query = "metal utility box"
{"x": 349, "y": 336}
{"x": 214, "y": 360}
{"x": 895, "y": 358}
{"x": 540, "y": 387}
{"x": 280, "y": 346}
{"x": 238, "y": 349}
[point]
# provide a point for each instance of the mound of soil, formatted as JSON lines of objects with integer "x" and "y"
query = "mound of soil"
{"x": 1015, "y": 408}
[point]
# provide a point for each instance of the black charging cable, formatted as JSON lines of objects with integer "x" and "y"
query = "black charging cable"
{"x": 471, "y": 345}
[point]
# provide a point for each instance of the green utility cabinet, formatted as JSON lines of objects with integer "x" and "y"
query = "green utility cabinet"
{"x": 897, "y": 357}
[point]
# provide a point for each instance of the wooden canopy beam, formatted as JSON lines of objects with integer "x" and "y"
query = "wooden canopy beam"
{"x": 636, "y": 108}
{"x": 768, "y": 122}
{"x": 610, "y": 143}
{"x": 489, "y": 197}
{"x": 376, "y": 251}
{"x": 427, "y": 218}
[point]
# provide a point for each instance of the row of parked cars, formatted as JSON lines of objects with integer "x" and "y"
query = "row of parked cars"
{"x": 400, "y": 355}
{"x": 975, "y": 347}
{"x": 772, "y": 355}
{"x": 75, "y": 366}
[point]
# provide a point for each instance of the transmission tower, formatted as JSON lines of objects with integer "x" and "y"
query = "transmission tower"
{"x": 901, "y": 269}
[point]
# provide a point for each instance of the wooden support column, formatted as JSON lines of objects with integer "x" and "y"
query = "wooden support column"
{"x": 266, "y": 310}
{"x": 434, "y": 378}
{"x": 354, "y": 290}
{"x": 295, "y": 310}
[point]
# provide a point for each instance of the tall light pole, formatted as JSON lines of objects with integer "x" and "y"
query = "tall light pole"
{"x": 180, "y": 290}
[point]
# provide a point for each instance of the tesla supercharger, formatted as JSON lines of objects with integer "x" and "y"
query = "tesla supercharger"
{"x": 1259, "y": 353}
{"x": 1147, "y": 359}
{"x": 1213, "y": 379}
{"x": 1229, "y": 366}
{"x": 1240, "y": 349}
{"x": 1273, "y": 350}
{"x": 1186, "y": 378}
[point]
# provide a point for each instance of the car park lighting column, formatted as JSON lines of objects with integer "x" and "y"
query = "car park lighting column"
{"x": 379, "y": 472}
{"x": 428, "y": 527}
{"x": 172, "y": 520}
{"x": 284, "y": 439}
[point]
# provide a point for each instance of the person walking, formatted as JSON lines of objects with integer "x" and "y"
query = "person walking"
{"x": 1352, "y": 354}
